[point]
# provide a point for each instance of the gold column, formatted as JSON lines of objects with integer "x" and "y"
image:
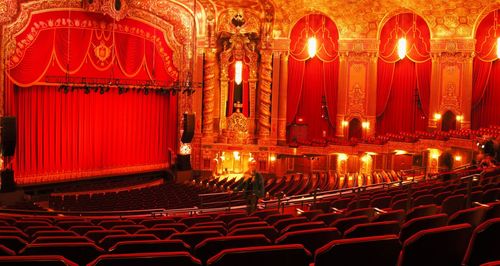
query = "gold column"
{"x": 435, "y": 89}
{"x": 342, "y": 93}
{"x": 265, "y": 81}
{"x": 283, "y": 98}
{"x": 467, "y": 90}
{"x": 208, "y": 94}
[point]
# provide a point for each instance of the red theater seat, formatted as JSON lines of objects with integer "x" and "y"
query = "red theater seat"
{"x": 68, "y": 224}
{"x": 193, "y": 238}
{"x": 189, "y": 221}
{"x": 421, "y": 211}
{"x": 23, "y": 224}
{"x": 228, "y": 217}
{"x": 30, "y": 230}
{"x": 328, "y": 218}
{"x": 373, "y": 251}
{"x": 472, "y": 216}
{"x": 453, "y": 204}
{"x": 247, "y": 225}
{"x": 152, "y": 222}
{"x": 272, "y": 219}
{"x": 303, "y": 226}
{"x": 281, "y": 224}
{"x": 14, "y": 243}
{"x": 373, "y": 229}
{"x": 45, "y": 260}
{"x": 218, "y": 228}
{"x": 60, "y": 239}
{"x": 110, "y": 241}
{"x": 381, "y": 202}
{"x": 437, "y": 246}
{"x": 5, "y": 251}
{"x": 484, "y": 244}
{"x": 53, "y": 233}
{"x": 396, "y": 215}
{"x": 249, "y": 219}
{"x": 290, "y": 255}
{"x": 108, "y": 224}
{"x": 97, "y": 235}
{"x": 263, "y": 214}
{"x": 17, "y": 233}
{"x": 345, "y": 223}
{"x": 221, "y": 223}
{"x": 211, "y": 246}
{"x": 82, "y": 230}
{"x": 415, "y": 225}
{"x": 131, "y": 229}
{"x": 81, "y": 253}
{"x": 147, "y": 246}
{"x": 311, "y": 239}
{"x": 159, "y": 258}
{"x": 268, "y": 231}
{"x": 311, "y": 214}
{"x": 493, "y": 211}
{"x": 180, "y": 227}
{"x": 161, "y": 233}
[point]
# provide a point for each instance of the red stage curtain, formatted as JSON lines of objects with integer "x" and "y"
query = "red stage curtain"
{"x": 74, "y": 135}
{"x": 313, "y": 82}
{"x": 403, "y": 92}
{"x": 486, "y": 72}
{"x": 78, "y": 133}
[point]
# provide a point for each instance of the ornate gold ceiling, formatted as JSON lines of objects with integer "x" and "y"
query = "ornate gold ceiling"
{"x": 354, "y": 18}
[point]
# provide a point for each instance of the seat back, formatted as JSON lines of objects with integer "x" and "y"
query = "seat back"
{"x": 437, "y": 246}
{"x": 281, "y": 224}
{"x": 211, "y": 246}
{"x": 247, "y": 225}
{"x": 421, "y": 211}
{"x": 491, "y": 195}
{"x": 45, "y": 260}
{"x": 411, "y": 227}
{"x": 14, "y": 243}
{"x": 453, "y": 204}
{"x": 493, "y": 211}
{"x": 373, "y": 229}
{"x": 425, "y": 199}
{"x": 53, "y": 233}
{"x": 195, "y": 219}
{"x": 131, "y": 229}
{"x": 180, "y": 227}
{"x": 345, "y": 223}
{"x": 108, "y": 224}
{"x": 268, "y": 231}
{"x": 219, "y": 228}
{"x": 97, "y": 235}
{"x": 328, "y": 218}
{"x": 147, "y": 246}
{"x": 180, "y": 258}
{"x": 110, "y": 241}
{"x": 290, "y": 255}
{"x": 303, "y": 226}
{"x": 81, "y": 253}
{"x": 472, "y": 216}
{"x": 160, "y": 233}
{"x": 193, "y": 238}
{"x": 228, "y": 217}
{"x": 249, "y": 219}
{"x": 483, "y": 246}
{"x": 152, "y": 222}
{"x": 272, "y": 219}
{"x": 373, "y": 251}
{"x": 311, "y": 239}
{"x": 83, "y": 229}
{"x": 395, "y": 215}
{"x": 60, "y": 239}
{"x": 381, "y": 202}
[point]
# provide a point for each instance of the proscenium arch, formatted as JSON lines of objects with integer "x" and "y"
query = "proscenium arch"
{"x": 292, "y": 25}
{"x": 484, "y": 14}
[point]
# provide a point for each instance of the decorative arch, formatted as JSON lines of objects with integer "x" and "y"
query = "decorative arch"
{"x": 403, "y": 87}
{"x": 486, "y": 73}
{"x": 449, "y": 121}
{"x": 355, "y": 129}
{"x": 313, "y": 82}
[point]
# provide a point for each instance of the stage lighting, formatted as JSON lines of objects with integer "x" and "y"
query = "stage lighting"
{"x": 238, "y": 72}
{"x": 402, "y": 48}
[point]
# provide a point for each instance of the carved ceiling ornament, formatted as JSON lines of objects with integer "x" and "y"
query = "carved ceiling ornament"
{"x": 242, "y": 21}
{"x": 117, "y": 9}
{"x": 8, "y": 9}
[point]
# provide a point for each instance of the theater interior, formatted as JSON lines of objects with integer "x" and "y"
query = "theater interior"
{"x": 251, "y": 132}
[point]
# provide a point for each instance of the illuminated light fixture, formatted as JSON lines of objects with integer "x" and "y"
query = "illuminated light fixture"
{"x": 236, "y": 155}
{"x": 400, "y": 152}
{"x": 402, "y": 48}
{"x": 437, "y": 116}
{"x": 498, "y": 47}
{"x": 365, "y": 125}
{"x": 185, "y": 149}
{"x": 435, "y": 153}
{"x": 272, "y": 158}
{"x": 345, "y": 123}
{"x": 342, "y": 157}
{"x": 312, "y": 46}
{"x": 238, "y": 72}
{"x": 460, "y": 118}
{"x": 458, "y": 158}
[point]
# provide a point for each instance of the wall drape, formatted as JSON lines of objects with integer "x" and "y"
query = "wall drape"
{"x": 77, "y": 133}
{"x": 486, "y": 72}
{"x": 403, "y": 92}
{"x": 72, "y": 135}
{"x": 313, "y": 82}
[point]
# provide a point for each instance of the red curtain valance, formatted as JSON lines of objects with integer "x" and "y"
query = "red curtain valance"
{"x": 325, "y": 32}
{"x": 411, "y": 27}
{"x": 486, "y": 37}
{"x": 85, "y": 44}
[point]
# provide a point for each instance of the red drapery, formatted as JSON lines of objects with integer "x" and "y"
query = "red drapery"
{"x": 76, "y": 134}
{"x": 72, "y": 135}
{"x": 486, "y": 73}
{"x": 403, "y": 92}
{"x": 313, "y": 82}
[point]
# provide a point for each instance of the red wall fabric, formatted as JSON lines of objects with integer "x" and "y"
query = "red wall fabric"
{"x": 313, "y": 82}
{"x": 403, "y": 92}
{"x": 68, "y": 135}
{"x": 486, "y": 72}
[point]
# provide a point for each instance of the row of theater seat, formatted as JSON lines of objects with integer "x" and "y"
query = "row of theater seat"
{"x": 204, "y": 239}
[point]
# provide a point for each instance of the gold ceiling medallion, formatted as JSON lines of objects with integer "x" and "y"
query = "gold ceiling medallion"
{"x": 117, "y": 9}
{"x": 102, "y": 52}
{"x": 239, "y": 21}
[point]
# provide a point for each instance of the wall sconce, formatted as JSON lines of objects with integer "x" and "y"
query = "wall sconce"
{"x": 459, "y": 118}
{"x": 272, "y": 158}
{"x": 458, "y": 158}
{"x": 238, "y": 72}
{"x": 312, "y": 46}
{"x": 345, "y": 123}
{"x": 437, "y": 116}
{"x": 342, "y": 157}
{"x": 402, "y": 48}
{"x": 365, "y": 125}
{"x": 236, "y": 155}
